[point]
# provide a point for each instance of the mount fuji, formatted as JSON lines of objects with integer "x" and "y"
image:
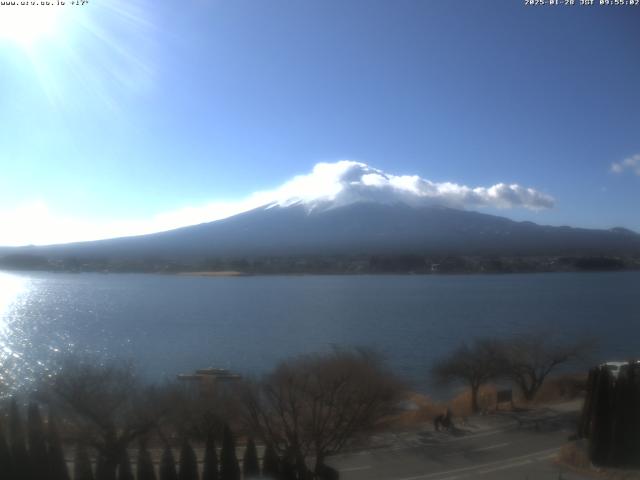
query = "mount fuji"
{"x": 349, "y": 208}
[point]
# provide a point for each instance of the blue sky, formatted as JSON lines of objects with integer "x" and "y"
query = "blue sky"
{"x": 127, "y": 116}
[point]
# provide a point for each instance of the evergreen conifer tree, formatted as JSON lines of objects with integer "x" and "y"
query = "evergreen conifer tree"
{"x": 288, "y": 469}
{"x": 601, "y": 429}
{"x": 270, "y": 464}
{"x": 19, "y": 454}
{"x": 103, "y": 472}
{"x": 5, "y": 457}
{"x": 37, "y": 442}
{"x": 250, "y": 465}
{"x": 619, "y": 418}
{"x": 168, "y": 465}
{"x": 57, "y": 465}
{"x": 210, "y": 469}
{"x": 188, "y": 463}
{"x": 124, "y": 467}
{"x": 229, "y": 468}
{"x": 625, "y": 418}
{"x": 145, "y": 470}
{"x": 584, "y": 426}
{"x": 634, "y": 417}
{"x": 82, "y": 464}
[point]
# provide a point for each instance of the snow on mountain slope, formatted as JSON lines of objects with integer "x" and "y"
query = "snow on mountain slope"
{"x": 332, "y": 185}
{"x": 359, "y": 228}
{"x": 353, "y": 209}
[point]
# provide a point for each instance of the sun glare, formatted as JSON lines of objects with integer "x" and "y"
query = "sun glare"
{"x": 11, "y": 287}
{"x": 82, "y": 54}
{"x": 28, "y": 24}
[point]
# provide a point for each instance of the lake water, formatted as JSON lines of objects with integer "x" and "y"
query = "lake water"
{"x": 176, "y": 324}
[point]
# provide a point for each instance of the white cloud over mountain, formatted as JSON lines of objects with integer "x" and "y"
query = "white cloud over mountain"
{"x": 631, "y": 163}
{"x": 328, "y": 185}
{"x": 345, "y": 182}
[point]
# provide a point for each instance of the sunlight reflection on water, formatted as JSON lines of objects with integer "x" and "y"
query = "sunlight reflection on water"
{"x": 13, "y": 291}
{"x": 33, "y": 334}
{"x": 12, "y": 288}
{"x": 172, "y": 324}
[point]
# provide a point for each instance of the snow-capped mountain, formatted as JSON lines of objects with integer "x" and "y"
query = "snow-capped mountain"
{"x": 333, "y": 185}
{"x": 357, "y": 228}
{"x": 350, "y": 208}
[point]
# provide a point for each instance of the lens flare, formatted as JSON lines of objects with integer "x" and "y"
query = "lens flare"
{"x": 25, "y": 25}
{"x": 81, "y": 53}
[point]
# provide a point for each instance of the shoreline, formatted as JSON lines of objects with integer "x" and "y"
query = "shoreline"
{"x": 222, "y": 273}
{"x": 236, "y": 273}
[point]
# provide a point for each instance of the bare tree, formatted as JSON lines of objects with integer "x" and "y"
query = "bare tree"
{"x": 314, "y": 406}
{"x": 473, "y": 364}
{"x": 528, "y": 359}
{"x": 197, "y": 413}
{"x": 106, "y": 405}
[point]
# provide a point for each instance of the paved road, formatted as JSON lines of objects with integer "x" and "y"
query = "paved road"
{"x": 512, "y": 447}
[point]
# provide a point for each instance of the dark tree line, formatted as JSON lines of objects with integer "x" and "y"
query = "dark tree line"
{"x": 325, "y": 264}
{"x": 37, "y": 454}
{"x": 611, "y": 416}
{"x": 33, "y": 454}
{"x": 307, "y": 409}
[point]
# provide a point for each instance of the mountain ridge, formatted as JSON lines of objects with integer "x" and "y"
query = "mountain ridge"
{"x": 359, "y": 228}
